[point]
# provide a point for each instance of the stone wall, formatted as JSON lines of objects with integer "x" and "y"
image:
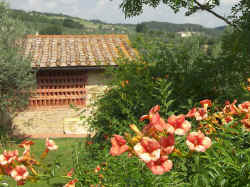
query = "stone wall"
{"x": 42, "y": 121}
{"x": 96, "y": 84}
{"x": 63, "y": 120}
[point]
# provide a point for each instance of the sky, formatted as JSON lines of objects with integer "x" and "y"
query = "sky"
{"x": 109, "y": 11}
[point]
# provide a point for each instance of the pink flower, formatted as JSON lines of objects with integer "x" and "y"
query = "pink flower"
{"x": 230, "y": 108}
{"x": 197, "y": 141}
{"x": 20, "y": 183}
{"x": 26, "y": 145}
{"x": 148, "y": 149}
{"x": 71, "y": 183}
{"x": 155, "y": 120}
{"x": 118, "y": 145}
{"x": 191, "y": 113}
{"x": 50, "y": 145}
{"x": 8, "y": 157}
{"x": 70, "y": 173}
{"x": 246, "y": 122}
{"x": 178, "y": 125}
{"x": 197, "y": 113}
{"x": 167, "y": 144}
{"x": 244, "y": 107}
{"x": 227, "y": 120}
{"x": 19, "y": 173}
{"x": 160, "y": 166}
{"x": 7, "y": 169}
{"x": 206, "y": 103}
{"x": 200, "y": 114}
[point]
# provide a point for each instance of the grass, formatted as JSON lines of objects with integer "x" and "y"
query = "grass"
{"x": 62, "y": 156}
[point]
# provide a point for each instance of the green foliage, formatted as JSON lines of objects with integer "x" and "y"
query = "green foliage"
{"x": 196, "y": 73}
{"x": 232, "y": 168}
{"x": 135, "y": 88}
{"x": 237, "y": 41}
{"x": 135, "y": 7}
{"x": 141, "y": 27}
{"x": 51, "y": 30}
{"x": 16, "y": 74}
{"x": 72, "y": 24}
{"x": 115, "y": 171}
{"x": 57, "y": 163}
{"x": 225, "y": 163}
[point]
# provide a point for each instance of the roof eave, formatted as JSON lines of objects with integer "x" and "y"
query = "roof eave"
{"x": 75, "y": 67}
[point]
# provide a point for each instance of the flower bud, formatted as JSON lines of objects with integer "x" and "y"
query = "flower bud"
{"x": 135, "y": 129}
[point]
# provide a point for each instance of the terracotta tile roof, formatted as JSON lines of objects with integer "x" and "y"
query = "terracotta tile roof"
{"x": 76, "y": 50}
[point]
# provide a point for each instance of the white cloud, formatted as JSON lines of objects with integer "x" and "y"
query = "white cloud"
{"x": 68, "y": 2}
{"x": 50, "y": 5}
{"x": 229, "y": 2}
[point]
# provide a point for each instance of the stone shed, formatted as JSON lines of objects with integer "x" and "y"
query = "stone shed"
{"x": 70, "y": 70}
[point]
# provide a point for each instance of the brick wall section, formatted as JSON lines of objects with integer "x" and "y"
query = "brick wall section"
{"x": 63, "y": 120}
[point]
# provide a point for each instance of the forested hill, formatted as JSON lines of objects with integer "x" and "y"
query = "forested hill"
{"x": 49, "y": 23}
{"x": 172, "y": 27}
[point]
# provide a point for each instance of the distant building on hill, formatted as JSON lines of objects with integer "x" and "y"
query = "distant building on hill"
{"x": 187, "y": 34}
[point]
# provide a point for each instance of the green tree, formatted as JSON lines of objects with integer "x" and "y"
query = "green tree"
{"x": 72, "y": 24}
{"x": 239, "y": 38}
{"x": 135, "y": 7}
{"x": 141, "y": 27}
{"x": 51, "y": 30}
{"x": 235, "y": 45}
{"x": 16, "y": 75}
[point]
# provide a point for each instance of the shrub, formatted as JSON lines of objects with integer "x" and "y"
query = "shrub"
{"x": 51, "y": 30}
{"x": 142, "y": 27}
{"x": 183, "y": 63}
{"x": 135, "y": 87}
{"x": 119, "y": 171}
{"x": 16, "y": 75}
{"x": 72, "y": 24}
{"x": 196, "y": 74}
{"x": 224, "y": 163}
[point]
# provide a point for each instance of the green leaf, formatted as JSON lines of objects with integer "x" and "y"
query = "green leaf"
{"x": 196, "y": 180}
{"x": 222, "y": 182}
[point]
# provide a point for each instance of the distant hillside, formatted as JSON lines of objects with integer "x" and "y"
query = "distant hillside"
{"x": 37, "y": 21}
{"x": 221, "y": 28}
{"x": 171, "y": 27}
